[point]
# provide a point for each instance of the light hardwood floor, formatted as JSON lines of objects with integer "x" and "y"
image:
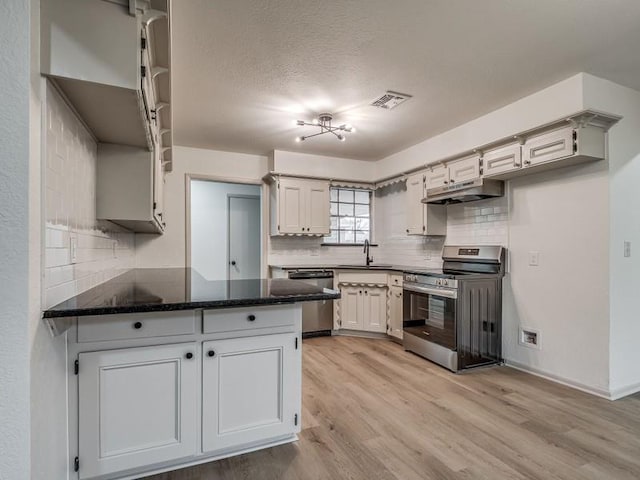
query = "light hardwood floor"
{"x": 373, "y": 411}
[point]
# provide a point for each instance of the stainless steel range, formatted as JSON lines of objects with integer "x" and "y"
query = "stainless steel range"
{"x": 453, "y": 316}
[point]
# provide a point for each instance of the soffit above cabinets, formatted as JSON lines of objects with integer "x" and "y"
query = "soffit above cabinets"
{"x": 244, "y": 71}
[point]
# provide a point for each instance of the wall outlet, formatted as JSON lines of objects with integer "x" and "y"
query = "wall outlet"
{"x": 534, "y": 259}
{"x": 627, "y": 249}
{"x": 529, "y": 337}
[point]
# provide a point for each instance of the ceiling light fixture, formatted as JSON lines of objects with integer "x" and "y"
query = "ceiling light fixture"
{"x": 324, "y": 123}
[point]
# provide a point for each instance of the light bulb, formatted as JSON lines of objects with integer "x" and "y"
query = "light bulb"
{"x": 298, "y": 139}
{"x": 315, "y": 121}
{"x": 352, "y": 130}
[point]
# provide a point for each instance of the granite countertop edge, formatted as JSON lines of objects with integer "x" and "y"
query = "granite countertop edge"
{"x": 211, "y": 304}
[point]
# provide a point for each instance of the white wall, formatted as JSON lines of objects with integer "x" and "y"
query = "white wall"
{"x": 14, "y": 240}
{"x": 295, "y": 163}
{"x": 169, "y": 249}
{"x": 563, "y": 215}
{"x": 624, "y": 225}
{"x": 209, "y": 225}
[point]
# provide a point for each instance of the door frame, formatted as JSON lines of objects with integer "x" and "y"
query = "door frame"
{"x": 229, "y": 197}
{"x": 264, "y": 214}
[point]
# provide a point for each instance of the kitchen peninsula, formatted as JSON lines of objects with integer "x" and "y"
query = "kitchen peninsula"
{"x": 168, "y": 369}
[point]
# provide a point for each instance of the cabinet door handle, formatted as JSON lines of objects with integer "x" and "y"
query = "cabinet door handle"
{"x": 137, "y": 325}
{"x": 251, "y": 318}
{"x": 211, "y": 353}
{"x": 189, "y": 356}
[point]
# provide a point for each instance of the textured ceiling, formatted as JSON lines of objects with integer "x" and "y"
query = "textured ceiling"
{"x": 245, "y": 70}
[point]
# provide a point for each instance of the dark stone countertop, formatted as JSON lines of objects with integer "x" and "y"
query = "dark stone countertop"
{"x": 167, "y": 289}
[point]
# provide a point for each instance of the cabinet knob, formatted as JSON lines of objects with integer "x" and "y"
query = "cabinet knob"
{"x": 445, "y": 182}
{"x": 211, "y": 353}
{"x": 407, "y": 230}
{"x": 251, "y": 318}
{"x": 233, "y": 263}
{"x": 189, "y": 356}
{"x": 360, "y": 292}
{"x": 137, "y": 325}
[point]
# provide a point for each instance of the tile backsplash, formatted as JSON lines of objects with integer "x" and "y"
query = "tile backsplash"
{"x": 80, "y": 251}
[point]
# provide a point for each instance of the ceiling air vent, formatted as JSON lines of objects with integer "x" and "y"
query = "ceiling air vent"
{"x": 390, "y": 100}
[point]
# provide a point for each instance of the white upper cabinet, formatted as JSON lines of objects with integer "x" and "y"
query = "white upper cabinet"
{"x": 300, "y": 207}
{"x": 561, "y": 147}
{"x": 137, "y": 407}
{"x": 129, "y": 188}
{"x": 548, "y": 146}
{"x": 113, "y": 66}
{"x": 423, "y": 219}
{"x": 502, "y": 159}
{"x": 436, "y": 176}
{"x": 464, "y": 169}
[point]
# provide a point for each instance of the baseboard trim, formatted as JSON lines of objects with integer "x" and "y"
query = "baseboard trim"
{"x": 618, "y": 393}
{"x": 599, "y": 392}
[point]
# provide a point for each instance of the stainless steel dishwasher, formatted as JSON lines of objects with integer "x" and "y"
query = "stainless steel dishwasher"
{"x": 317, "y": 317}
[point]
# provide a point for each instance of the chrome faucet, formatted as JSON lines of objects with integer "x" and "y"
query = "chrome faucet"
{"x": 367, "y": 246}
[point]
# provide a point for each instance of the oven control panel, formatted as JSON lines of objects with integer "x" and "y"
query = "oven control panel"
{"x": 431, "y": 280}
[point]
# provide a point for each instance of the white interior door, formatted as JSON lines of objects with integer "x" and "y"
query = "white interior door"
{"x": 244, "y": 237}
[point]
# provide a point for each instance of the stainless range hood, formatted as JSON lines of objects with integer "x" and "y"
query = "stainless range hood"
{"x": 468, "y": 191}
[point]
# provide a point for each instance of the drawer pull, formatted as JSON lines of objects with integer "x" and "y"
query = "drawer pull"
{"x": 211, "y": 353}
{"x": 251, "y": 318}
{"x": 137, "y": 325}
{"x": 189, "y": 355}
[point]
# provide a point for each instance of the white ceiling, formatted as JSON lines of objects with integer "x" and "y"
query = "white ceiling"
{"x": 245, "y": 70}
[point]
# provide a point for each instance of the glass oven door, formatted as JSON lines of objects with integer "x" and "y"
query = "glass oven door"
{"x": 430, "y": 313}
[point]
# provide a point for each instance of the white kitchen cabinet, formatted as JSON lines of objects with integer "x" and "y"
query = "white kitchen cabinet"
{"x": 129, "y": 183}
{"x": 561, "y": 147}
{"x": 137, "y": 407}
{"x": 436, "y": 176}
{"x": 300, "y": 207}
{"x": 423, "y": 219}
{"x": 548, "y": 146}
{"x": 250, "y": 390}
{"x": 113, "y": 67}
{"x": 363, "y": 308}
{"x": 464, "y": 169}
{"x": 351, "y": 308}
{"x": 502, "y": 160}
{"x": 374, "y": 309}
{"x": 395, "y": 312}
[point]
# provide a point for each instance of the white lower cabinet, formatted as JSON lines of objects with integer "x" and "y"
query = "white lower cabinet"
{"x": 250, "y": 390}
{"x": 136, "y": 407}
{"x": 375, "y": 309}
{"x": 395, "y": 312}
{"x": 363, "y": 308}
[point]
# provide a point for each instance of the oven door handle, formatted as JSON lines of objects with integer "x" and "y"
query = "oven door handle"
{"x": 436, "y": 292}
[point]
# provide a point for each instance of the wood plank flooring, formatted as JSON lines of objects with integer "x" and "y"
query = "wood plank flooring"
{"x": 372, "y": 411}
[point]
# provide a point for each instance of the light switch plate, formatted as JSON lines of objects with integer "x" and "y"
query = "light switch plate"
{"x": 534, "y": 259}
{"x": 73, "y": 248}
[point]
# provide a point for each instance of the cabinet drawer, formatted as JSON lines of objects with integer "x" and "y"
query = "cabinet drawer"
{"x": 99, "y": 328}
{"x": 234, "y": 319}
{"x": 395, "y": 280}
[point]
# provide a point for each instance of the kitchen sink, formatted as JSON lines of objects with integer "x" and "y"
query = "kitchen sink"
{"x": 376, "y": 266}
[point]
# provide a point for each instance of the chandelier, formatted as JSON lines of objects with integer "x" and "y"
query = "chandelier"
{"x": 323, "y": 122}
